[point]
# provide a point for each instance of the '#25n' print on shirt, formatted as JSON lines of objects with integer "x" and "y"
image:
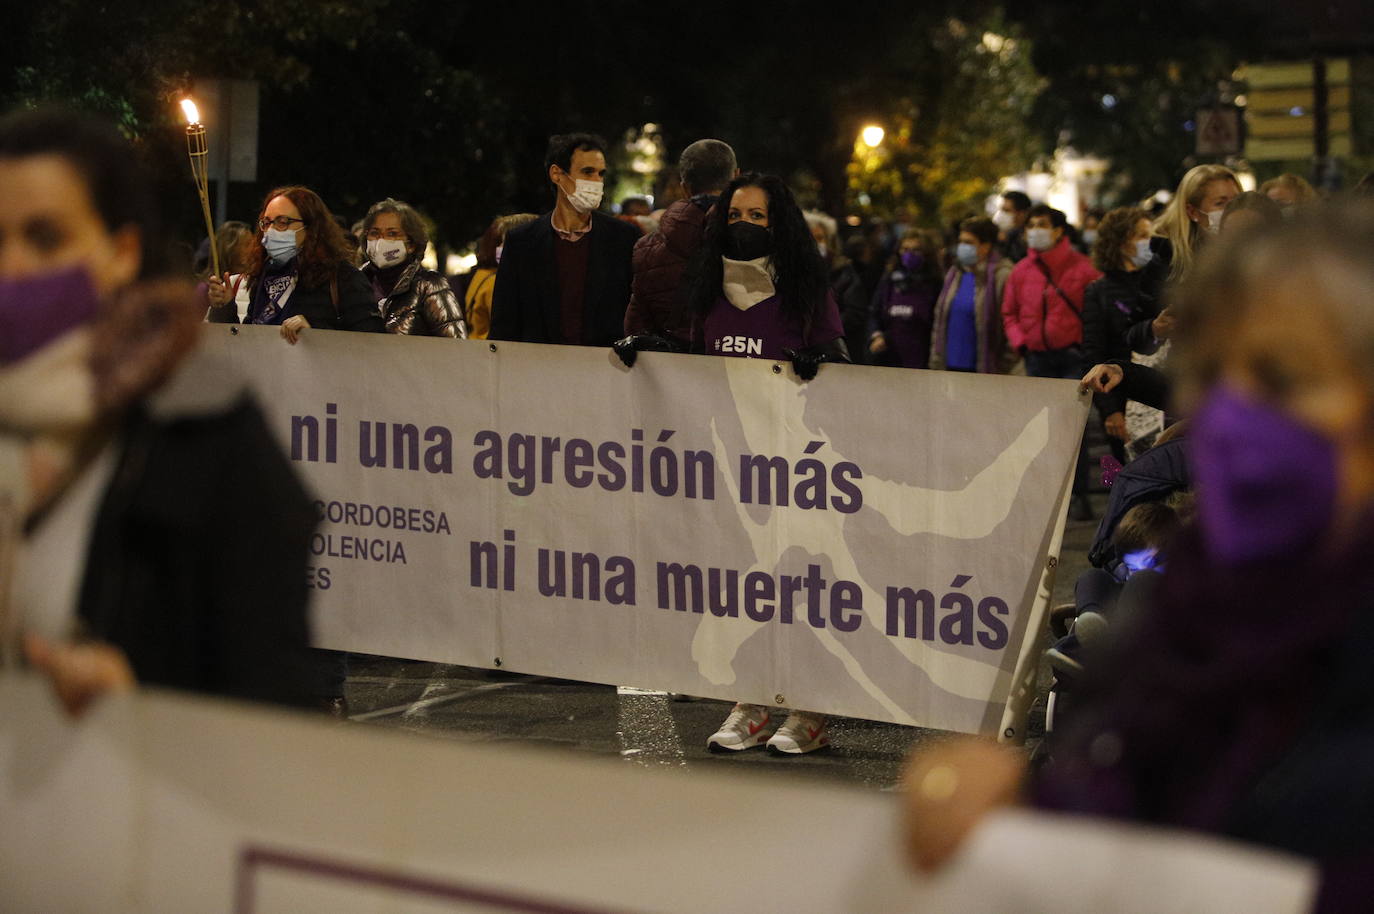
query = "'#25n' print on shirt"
{"x": 741, "y": 345}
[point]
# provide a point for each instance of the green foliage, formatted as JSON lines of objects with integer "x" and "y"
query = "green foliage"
{"x": 957, "y": 125}
{"x": 449, "y": 105}
{"x": 1126, "y": 81}
{"x": 354, "y": 101}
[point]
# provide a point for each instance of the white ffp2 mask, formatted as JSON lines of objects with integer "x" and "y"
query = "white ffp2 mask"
{"x": 386, "y": 253}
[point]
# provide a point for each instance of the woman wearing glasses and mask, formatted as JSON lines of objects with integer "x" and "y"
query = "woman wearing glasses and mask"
{"x": 299, "y": 272}
{"x": 411, "y": 299}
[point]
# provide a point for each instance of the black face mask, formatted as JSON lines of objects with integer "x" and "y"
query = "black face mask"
{"x": 747, "y": 241}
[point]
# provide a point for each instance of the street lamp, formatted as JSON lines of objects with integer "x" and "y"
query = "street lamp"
{"x": 872, "y": 136}
{"x": 199, "y": 151}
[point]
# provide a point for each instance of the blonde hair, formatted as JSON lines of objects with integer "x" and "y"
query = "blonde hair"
{"x": 1175, "y": 225}
{"x": 1330, "y": 246}
{"x": 1302, "y": 191}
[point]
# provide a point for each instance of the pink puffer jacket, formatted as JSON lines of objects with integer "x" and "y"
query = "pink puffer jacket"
{"x": 1045, "y": 312}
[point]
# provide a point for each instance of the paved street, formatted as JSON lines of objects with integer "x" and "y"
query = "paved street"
{"x": 644, "y": 728}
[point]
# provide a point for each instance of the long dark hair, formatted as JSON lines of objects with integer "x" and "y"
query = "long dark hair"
{"x": 801, "y": 277}
{"x": 322, "y": 251}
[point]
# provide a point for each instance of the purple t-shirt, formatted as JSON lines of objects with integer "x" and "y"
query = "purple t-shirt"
{"x": 906, "y": 324}
{"x": 762, "y": 332}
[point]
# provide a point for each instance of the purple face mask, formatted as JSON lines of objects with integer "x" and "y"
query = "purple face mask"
{"x": 1266, "y": 483}
{"x": 911, "y": 260}
{"x": 35, "y": 310}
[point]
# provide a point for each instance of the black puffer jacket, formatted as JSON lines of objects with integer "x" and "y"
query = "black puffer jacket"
{"x": 197, "y": 561}
{"x": 1117, "y": 312}
{"x": 420, "y": 304}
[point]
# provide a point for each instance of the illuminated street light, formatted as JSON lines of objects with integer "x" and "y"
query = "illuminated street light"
{"x": 873, "y": 136}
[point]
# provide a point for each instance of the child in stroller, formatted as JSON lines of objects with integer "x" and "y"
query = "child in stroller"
{"x": 1150, "y": 501}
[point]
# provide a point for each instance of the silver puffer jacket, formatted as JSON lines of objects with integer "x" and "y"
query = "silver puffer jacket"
{"x": 421, "y": 304}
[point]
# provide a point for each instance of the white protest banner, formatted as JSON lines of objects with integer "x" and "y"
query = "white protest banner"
{"x": 875, "y": 543}
{"x": 160, "y": 802}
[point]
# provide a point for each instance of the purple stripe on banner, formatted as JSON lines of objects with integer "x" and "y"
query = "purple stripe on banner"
{"x": 253, "y": 860}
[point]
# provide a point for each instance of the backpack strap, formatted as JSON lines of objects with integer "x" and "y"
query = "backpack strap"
{"x": 1053, "y": 285}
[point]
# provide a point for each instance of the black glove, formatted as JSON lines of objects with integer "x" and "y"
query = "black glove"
{"x": 806, "y": 362}
{"x": 631, "y": 346}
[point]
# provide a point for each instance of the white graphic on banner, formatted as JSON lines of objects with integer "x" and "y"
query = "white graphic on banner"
{"x": 871, "y": 543}
{"x": 970, "y": 513}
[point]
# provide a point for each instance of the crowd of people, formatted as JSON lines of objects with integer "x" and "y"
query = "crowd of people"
{"x": 1024, "y": 291}
{"x": 1232, "y": 693}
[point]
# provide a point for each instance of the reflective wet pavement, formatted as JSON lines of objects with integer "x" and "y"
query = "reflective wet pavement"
{"x": 642, "y": 727}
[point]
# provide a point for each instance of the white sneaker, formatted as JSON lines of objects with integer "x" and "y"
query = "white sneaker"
{"x": 801, "y": 732}
{"x": 743, "y": 729}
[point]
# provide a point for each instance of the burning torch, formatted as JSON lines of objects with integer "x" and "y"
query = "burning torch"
{"x": 199, "y": 152}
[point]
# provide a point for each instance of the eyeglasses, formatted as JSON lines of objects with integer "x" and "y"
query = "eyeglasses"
{"x": 280, "y": 223}
{"x": 389, "y": 235}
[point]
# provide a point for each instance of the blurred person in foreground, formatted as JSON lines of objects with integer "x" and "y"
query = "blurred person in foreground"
{"x": 131, "y": 558}
{"x": 412, "y": 300}
{"x": 1290, "y": 192}
{"x": 1240, "y": 700}
{"x": 1249, "y": 209}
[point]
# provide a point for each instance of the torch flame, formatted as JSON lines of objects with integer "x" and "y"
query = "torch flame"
{"x": 189, "y": 108}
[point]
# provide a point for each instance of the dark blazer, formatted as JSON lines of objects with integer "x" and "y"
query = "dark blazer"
{"x": 525, "y": 303}
{"x": 357, "y": 308}
{"x": 196, "y": 567}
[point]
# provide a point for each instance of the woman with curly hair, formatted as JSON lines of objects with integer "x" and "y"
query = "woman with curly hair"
{"x": 1121, "y": 313}
{"x": 761, "y": 288}
{"x": 300, "y": 273}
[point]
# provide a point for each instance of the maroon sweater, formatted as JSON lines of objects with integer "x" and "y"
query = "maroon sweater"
{"x": 571, "y": 257}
